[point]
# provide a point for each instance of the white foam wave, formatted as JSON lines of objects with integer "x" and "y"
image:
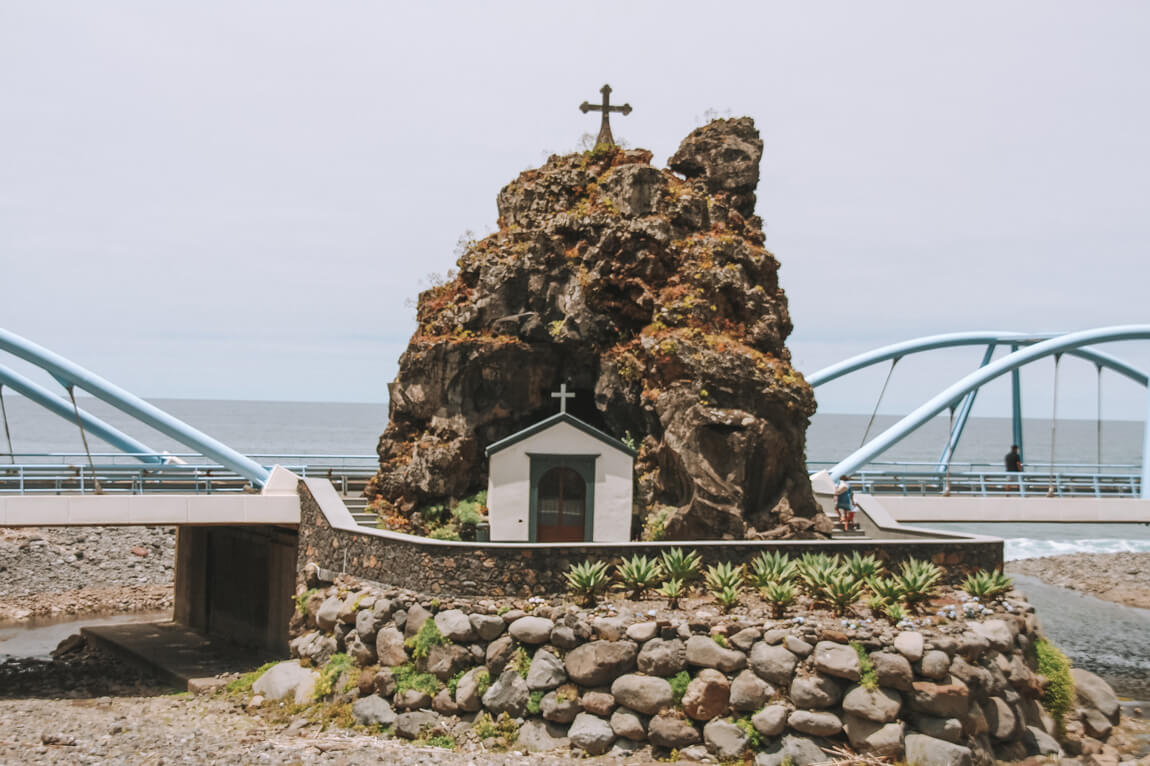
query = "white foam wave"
{"x": 1031, "y": 548}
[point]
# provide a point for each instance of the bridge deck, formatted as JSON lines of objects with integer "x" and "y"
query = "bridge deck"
{"x": 920, "y": 509}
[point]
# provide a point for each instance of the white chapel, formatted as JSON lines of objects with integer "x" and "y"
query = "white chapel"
{"x": 560, "y": 480}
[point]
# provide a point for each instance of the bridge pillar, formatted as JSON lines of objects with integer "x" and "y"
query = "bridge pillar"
{"x": 236, "y": 583}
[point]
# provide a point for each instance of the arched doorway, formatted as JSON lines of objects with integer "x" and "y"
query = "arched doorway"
{"x": 562, "y": 499}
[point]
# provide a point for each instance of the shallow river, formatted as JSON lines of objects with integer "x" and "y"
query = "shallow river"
{"x": 37, "y": 638}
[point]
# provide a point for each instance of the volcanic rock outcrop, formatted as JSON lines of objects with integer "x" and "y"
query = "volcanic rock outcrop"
{"x": 647, "y": 291}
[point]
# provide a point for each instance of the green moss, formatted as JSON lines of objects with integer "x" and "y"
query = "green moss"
{"x": 754, "y": 738}
{"x": 869, "y": 679}
{"x": 720, "y": 639}
{"x": 330, "y": 673}
{"x": 1058, "y": 697}
{"x": 444, "y": 741}
{"x": 301, "y": 600}
{"x": 453, "y": 684}
{"x": 533, "y": 703}
{"x": 428, "y": 636}
{"x": 407, "y": 677}
{"x": 243, "y": 684}
{"x": 679, "y": 683}
{"x": 504, "y": 730}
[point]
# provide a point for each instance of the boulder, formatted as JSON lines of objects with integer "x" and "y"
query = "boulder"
{"x": 724, "y": 740}
{"x": 389, "y": 647}
{"x": 922, "y": 750}
{"x": 942, "y": 700}
{"x": 704, "y": 652}
{"x": 444, "y": 661}
{"x": 560, "y": 708}
{"x": 797, "y": 751}
{"x": 660, "y": 657}
{"x": 707, "y": 696}
{"x": 817, "y": 723}
{"x": 671, "y": 732}
{"x": 531, "y": 630}
{"x": 1038, "y": 742}
{"x": 487, "y": 626}
{"x": 934, "y": 665}
{"x": 798, "y": 646}
{"x": 773, "y": 663}
{"x": 367, "y": 623}
{"x": 642, "y": 631}
{"x": 629, "y": 724}
{"x": 973, "y": 645}
{"x": 872, "y": 737}
{"x": 314, "y": 646}
{"x": 749, "y": 692}
{"x": 609, "y": 628}
{"x": 880, "y": 705}
{"x": 838, "y": 660}
{"x": 949, "y": 729}
{"x": 996, "y": 632}
{"x": 509, "y": 694}
{"x": 598, "y": 703}
{"x": 645, "y": 694}
{"x": 444, "y": 702}
{"x": 467, "y": 695}
{"x": 383, "y": 682}
{"x": 360, "y": 651}
{"x": 499, "y": 653}
{"x": 1001, "y": 720}
{"x": 909, "y": 643}
{"x": 892, "y": 671}
{"x": 537, "y": 736}
{"x": 416, "y": 616}
{"x": 412, "y": 699}
{"x": 771, "y": 720}
{"x": 744, "y": 639}
{"x": 563, "y": 636}
{"x": 327, "y": 615}
{"x": 725, "y": 155}
{"x": 815, "y": 691}
{"x": 283, "y": 680}
{"x": 411, "y": 725}
{"x": 600, "y": 662}
{"x": 455, "y": 625}
{"x": 546, "y": 671}
{"x": 1093, "y": 692}
{"x": 591, "y": 733}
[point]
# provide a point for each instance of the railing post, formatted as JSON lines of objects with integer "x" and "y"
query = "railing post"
{"x": 1146, "y": 451}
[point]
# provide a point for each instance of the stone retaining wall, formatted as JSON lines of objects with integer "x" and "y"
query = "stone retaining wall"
{"x": 952, "y": 689}
{"x": 512, "y": 569}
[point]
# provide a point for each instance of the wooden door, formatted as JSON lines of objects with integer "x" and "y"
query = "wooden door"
{"x": 562, "y": 506}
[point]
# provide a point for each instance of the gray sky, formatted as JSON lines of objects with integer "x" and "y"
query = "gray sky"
{"x": 235, "y": 199}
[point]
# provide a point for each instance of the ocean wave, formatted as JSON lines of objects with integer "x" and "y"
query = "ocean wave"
{"x": 1031, "y": 548}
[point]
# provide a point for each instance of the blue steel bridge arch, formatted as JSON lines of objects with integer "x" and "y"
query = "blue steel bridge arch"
{"x": 71, "y": 375}
{"x": 1033, "y": 348}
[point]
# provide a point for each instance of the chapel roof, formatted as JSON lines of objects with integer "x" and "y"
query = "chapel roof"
{"x": 559, "y": 417}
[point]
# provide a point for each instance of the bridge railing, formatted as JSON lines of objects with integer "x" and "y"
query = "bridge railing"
{"x": 997, "y": 483}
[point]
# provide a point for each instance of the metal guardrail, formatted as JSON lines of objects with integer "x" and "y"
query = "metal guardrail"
{"x": 997, "y": 484}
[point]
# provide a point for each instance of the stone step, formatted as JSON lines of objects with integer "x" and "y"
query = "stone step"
{"x": 853, "y": 534}
{"x": 365, "y": 519}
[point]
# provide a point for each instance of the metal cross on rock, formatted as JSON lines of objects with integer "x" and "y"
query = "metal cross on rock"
{"x": 562, "y": 395}
{"x": 605, "y": 136}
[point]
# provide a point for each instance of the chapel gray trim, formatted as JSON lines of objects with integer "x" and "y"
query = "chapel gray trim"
{"x": 559, "y": 417}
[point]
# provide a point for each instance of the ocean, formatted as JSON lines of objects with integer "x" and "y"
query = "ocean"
{"x": 318, "y": 428}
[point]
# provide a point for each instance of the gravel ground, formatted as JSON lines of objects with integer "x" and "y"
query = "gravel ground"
{"x": 46, "y": 571}
{"x": 1123, "y": 578}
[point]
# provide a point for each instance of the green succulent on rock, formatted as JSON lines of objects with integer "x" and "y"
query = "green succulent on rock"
{"x": 918, "y": 580}
{"x": 588, "y": 580}
{"x": 779, "y": 595}
{"x": 815, "y": 571}
{"x": 680, "y": 565}
{"x": 841, "y": 590}
{"x": 639, "y": 573}
{"x": 772, "y": 567}
{"x": 888, "y": 590}
{"x": 863, "y": 567}
{"x": 724, "y": 575}
{"x": 728, "y": 597}
{"x": 987, "y": 585}
{"x": 894, "y": 612}
{"x": 672, "y": 590}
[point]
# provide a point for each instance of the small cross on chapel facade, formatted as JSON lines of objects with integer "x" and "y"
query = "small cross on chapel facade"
{"x": 560, "y": 480}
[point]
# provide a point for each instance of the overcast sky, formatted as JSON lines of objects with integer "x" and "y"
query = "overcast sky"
{"x": 235, "y": 199}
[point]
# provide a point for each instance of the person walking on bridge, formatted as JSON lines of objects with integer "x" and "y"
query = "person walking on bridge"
{"x": 1013, "y": 460}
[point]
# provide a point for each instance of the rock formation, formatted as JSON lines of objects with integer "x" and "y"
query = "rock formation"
{"x": 647, "y": 291}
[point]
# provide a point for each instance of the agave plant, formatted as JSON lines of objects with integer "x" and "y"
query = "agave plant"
{"x": 918, "y": 580}
{"x": 672, "y": 590}
{"x": 588, "y": 580}
{"x": 863, "y": 567}
{"x": 987, "y": 585}
{"x": 728, "y": 597}
{"x": 816, "y": 570}
{"x": 888, "y": 590}
{"x": 639, "y": 573}
{"x": 681, "y": 566}
{"x": 841, "y": 590}
{"x": 894, "y": 612}
{"x": 779, "y": 595}
{"x": 724, "y": 575}
{"x": 772, "y": 567}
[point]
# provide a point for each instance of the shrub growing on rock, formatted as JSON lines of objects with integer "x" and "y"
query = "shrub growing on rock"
{"x": 1058, "y": 696}
{"x": 428, "y": 636}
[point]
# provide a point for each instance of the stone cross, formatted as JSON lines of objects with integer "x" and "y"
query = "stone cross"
{"x": 605, "y": 136}
{"x": 563, "y": 396}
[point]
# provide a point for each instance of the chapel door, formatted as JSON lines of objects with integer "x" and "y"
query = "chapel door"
{"x": 562, "y": 506}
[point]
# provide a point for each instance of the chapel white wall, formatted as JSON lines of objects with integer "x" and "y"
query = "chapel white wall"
{"x": 509, "y": 484}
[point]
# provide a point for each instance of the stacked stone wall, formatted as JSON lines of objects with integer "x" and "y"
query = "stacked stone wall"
{"x": 955, "y": 690}
{"x": 499, "y": 570}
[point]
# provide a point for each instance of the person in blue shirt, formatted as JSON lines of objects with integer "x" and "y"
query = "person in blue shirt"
{"x": 844, "y": 503}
